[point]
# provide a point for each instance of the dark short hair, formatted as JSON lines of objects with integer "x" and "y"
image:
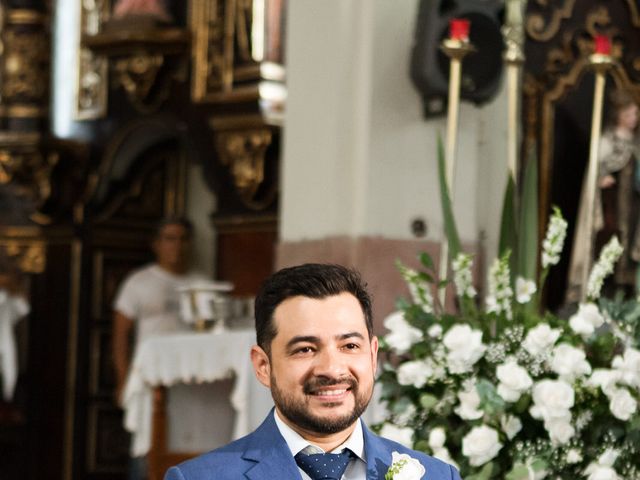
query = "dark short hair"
{"x": 173, "y": 220}
{"x": 313, "y": 280}
{"x": 618, "y": 101}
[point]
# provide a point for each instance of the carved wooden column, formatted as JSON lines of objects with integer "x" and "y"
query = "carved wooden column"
{"x": 238, "y": 69}
{"x": 24, "y": 97}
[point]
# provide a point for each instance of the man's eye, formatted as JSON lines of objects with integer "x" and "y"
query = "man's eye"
{"x": 303, "y": 350}
{"x": 352, "y": 346}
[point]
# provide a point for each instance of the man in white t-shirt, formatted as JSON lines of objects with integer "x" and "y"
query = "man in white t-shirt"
{"x": 148, "y": 302}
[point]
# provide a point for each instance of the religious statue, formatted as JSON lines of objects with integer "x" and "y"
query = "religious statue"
{"x": 617, "y": 207}
{"x": 141, "y": 7}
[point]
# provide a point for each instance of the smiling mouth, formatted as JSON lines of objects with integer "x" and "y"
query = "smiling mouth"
{"x": 330, "y": 390}
{"x": 331, "y": 393}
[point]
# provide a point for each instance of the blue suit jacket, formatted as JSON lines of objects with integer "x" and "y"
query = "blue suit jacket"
{"x": 264, "y": 454}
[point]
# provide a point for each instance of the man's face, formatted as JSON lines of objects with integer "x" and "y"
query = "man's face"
{"x": 628, "y": 117}
{"x": 322, "y": 364}
{"x": 172, "y": 246}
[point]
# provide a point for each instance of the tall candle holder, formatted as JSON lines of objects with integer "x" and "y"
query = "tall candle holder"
{"x": 456, "y": 47}
{"x": 513, "y": 34}
{"x": 600, "y": 61}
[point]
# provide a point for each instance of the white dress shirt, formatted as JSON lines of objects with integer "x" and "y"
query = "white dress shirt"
{"x": 357, "y": 468}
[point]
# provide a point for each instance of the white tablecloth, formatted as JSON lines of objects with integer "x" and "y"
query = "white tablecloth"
{"x": 11, "y": 310}
{"x": 193, "y": 358}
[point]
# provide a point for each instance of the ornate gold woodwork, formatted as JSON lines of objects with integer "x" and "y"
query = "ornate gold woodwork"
{"x": 231, "y": 45}
{"x": 93, "y": 84}
{"x": 137, "y": 75}
{"x": 212, "y": 48}
{"x": 26, "y": 251}
{"x": 542, "y": 29}
{"x": 26, "y": 168}
{"x": 243, "y": 151}
{"x": 140, "y": 60}
{"x": 25, "y": 61}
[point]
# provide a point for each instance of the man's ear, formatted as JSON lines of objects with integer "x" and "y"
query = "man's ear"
{"x": 261, "y": 365}
{"x": 374, "y": 353}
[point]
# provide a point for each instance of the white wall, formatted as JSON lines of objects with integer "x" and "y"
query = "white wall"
{"x": 358, "y": 157}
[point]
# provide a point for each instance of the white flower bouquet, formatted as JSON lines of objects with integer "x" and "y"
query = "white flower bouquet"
{"x": 506, "y": 392}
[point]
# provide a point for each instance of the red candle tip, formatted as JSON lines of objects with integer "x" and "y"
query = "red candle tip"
{"x": 459, "y": 29}
{"x": 602, "y": 44}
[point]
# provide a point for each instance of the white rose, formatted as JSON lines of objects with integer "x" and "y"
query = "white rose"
{"x": 410, "y": 469}
{"x": 569, "y": 362}
{"x": 402, "y": 435}
{"x": 629, "y": 367}
{"x": 552, "y": 399}
{"x": 524, "y": 289}
{"x": 604, "y": 379}
{"x": 560, "y": 430}
{"x": 601, "y": 472}
{"x": 480, "y": 445}
{"x": 464, "y": 346}
{"x": 574, "y": 456}
{"x": 406, "y": 416}
{"x": 622, "y": 404}
{"x": 437, "y": 437}
{"x": 435, "y": 331}
{"x": 414, "y": 373}
{"x": 585, "y": 321}
{"x": 540, "y": 339}
{"x": 514, "y": 380}
{"x": 511, "y": 425}
{"x": 469, "y": 403}
{"x": 608, "y": 457}
{"x": 401, "y": 334}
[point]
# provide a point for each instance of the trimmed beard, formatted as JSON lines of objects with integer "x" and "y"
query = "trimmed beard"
{"x": 297, "y": 412}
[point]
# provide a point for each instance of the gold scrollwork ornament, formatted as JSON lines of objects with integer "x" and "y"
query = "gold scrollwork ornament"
{"x": 244, "y": 153}
{"x": 138, "y": 75}
{"x": 29, "y": 172}
{"x": 25, "y": 57}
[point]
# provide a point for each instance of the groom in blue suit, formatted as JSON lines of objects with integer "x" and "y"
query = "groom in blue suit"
{"x": 317, "y": 353}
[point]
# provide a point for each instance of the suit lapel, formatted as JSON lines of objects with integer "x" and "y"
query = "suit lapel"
{"x": 272, "y": 457}
{"x": 378, "y": 456}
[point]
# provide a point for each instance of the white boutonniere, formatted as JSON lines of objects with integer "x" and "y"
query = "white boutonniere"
{"x": 404, "y": 467}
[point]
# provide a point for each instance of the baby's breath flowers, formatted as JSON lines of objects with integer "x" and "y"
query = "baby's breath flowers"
{"x": 604, "y": 266}
{"x": 462, "y": 276}
{"x": 500, "y": 292}
{"x": 554, "y": 239}
{"x": 418, "y": 286}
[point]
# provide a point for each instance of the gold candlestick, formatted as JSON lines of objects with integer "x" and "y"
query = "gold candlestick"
{"x": 600, "y": 63}
{"x": 456, "y": 49}
{"x": 513, "y": 34}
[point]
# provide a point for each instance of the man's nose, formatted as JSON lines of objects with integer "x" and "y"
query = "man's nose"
{"x": 330, "y": 363}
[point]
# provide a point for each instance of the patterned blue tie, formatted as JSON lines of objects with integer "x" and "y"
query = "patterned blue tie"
{"x": 324, "y": 466}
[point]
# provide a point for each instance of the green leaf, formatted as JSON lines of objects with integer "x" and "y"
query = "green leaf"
{"x": 445, "y": 201}
{"x": 484, "y": 474}
{"x": 508, "y": 220}
{"x": 527, "y": 250}
{"x": 518, "y": 472}
{"x": 490, "y": 401}
{"x": 538, "y": 465}
{"x": 428, "y": 401}
{"x": 426, "y": 260}
{"x": 422, "y": 446}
